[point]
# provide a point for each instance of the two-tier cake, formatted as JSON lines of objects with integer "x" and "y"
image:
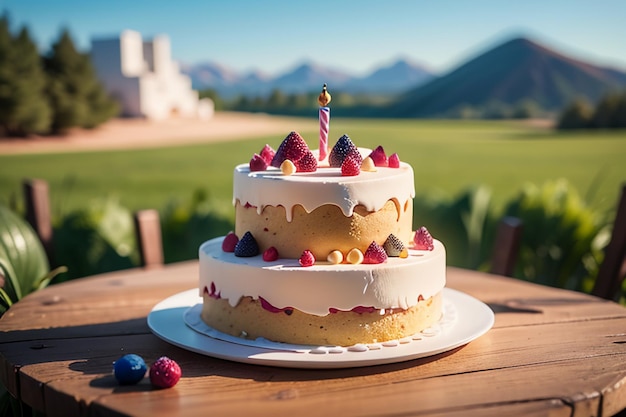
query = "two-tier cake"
{"x": 323, "y": 253}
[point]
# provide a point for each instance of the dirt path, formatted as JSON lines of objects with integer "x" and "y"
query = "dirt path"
{"x": 133, "y": 133}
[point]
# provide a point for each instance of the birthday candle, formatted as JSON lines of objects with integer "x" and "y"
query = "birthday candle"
{"x": 324, "y": 113}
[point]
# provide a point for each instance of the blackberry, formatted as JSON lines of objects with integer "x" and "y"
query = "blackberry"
{"x": 247, "y": 246}
{"x": 393, "y": 246}
{"x": 341, "y": 150}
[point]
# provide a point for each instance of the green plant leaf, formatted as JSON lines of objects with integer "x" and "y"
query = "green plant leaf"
{"x": 22, "y": 256}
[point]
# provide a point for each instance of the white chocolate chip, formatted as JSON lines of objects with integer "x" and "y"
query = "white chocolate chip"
{"x": 368, "y": 165}
{"x": 355, "y": 256}
{"x": 287, "y": 167}
{"x": 335, "y": 257}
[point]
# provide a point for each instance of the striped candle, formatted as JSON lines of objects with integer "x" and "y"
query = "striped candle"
{"x": 324, "y": 126}
{"x": 323, "y": 99}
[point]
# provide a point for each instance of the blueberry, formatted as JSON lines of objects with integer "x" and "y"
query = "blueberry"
{"x": 129, "y": 369}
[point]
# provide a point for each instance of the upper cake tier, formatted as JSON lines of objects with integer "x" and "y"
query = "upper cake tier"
{"x": 323, "y": 211}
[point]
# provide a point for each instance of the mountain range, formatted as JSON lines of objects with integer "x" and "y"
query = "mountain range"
{"x": 512, "y": 73}
{"x": 307, "y": 77}
{"x": 516, "y": 71}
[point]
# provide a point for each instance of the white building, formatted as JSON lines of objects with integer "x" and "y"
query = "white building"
{"x": 143, "y": 78}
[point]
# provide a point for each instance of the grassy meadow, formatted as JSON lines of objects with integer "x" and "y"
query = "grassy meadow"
{"x": 447, "y": 156}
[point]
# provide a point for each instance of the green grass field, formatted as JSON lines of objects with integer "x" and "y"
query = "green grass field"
{"x": 447, "y": 157}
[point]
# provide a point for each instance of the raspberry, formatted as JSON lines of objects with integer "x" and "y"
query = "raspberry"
{"x": 379, "y": 157}
{"x": 393, "y": 246}
{"x": 423, "y": 240}
{"x": 374, "y": 254}
{"x": 308, "y": 163}
{"x": 351, "y": 166}
{"x": 271, "y": 254}
{"x": 229, "y": 242}
{"x": 247, "y": 246}
{"x": 164, "y": 373}
{"x": 341, "y": 150}
{"x": 293, "y": 147}
{"x": 267, "y": 153}
{"x": 394, "y": 161}
{"x": 257, "y": 163}
{"x": 307, "y": 258}
{"x": 129, "y": 369}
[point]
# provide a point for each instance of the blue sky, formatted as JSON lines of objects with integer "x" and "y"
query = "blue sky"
{"x": 355, "y": 36}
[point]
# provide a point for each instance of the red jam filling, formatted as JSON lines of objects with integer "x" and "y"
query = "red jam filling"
{"x": 212, "y": 292}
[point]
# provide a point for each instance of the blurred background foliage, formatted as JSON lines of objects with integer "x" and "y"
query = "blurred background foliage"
{"x": 562, "y": 243}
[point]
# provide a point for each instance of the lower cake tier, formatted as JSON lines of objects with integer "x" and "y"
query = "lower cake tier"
{"x": 250, "y": 319}
{"x": 244, "y": 296}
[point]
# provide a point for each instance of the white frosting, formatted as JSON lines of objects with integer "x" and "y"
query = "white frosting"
{"x": 324, "y": 186}
{"x": 397, "y": 283}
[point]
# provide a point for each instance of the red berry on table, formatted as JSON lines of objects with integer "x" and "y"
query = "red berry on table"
{"x": 351, "y": 166}
{"x": 379, "y": 157}
{"x": 307, "y": 258}
{"x": 375, "y": 254}
{"x": 229, "y": 242}
{"x": 341, "y": 150}
{"x": 270, "y": 254}
{"x": 165, "y": 373}
{"x": 267, "y": 153}
{"x": 394, "y": 161}
{"x": 257, "y": 163}
{"x": 423, "y": 240}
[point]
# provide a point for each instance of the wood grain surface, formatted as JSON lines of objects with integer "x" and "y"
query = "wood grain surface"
{"x": 551, "y": 352}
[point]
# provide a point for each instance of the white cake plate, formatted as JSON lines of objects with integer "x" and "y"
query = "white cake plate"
{"x": 177, "y": 321}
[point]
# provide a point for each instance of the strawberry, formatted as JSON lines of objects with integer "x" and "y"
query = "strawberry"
{"x": 267, "y": 153}
{"x": 308, "y": 163}
{"x": 257, "y": 163}
{"x": 341, "y": 150}
{"x": 351, "y": 166}
{"x": 374, "y": 254}
{"x": 379, "y": 157}
{"x": 307, "y": 258}
{"x": 229, "y": 242}
{"x": 271, "y": 254}
{"x": 247, "y": 246}
{"x": 394, "y": 161}
{"x": 293, "y": 147}
{"x": 165, "y": 373}
{"x": 423, "y": 240}
{"x": 393, "y": 246}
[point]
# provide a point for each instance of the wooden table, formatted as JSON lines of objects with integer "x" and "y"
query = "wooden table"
{"x": 551, "y": 352}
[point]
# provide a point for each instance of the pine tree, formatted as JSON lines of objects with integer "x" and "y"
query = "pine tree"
{"x": 76, "y": 95}
{"x": 619, "y": 117}
{"x": 576, "y": 116}
{"x": 32, "y": 111}
{"x": 6, "y": 75}
{"x": 605, "y": 111}
{"x": 23, "y": 107}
